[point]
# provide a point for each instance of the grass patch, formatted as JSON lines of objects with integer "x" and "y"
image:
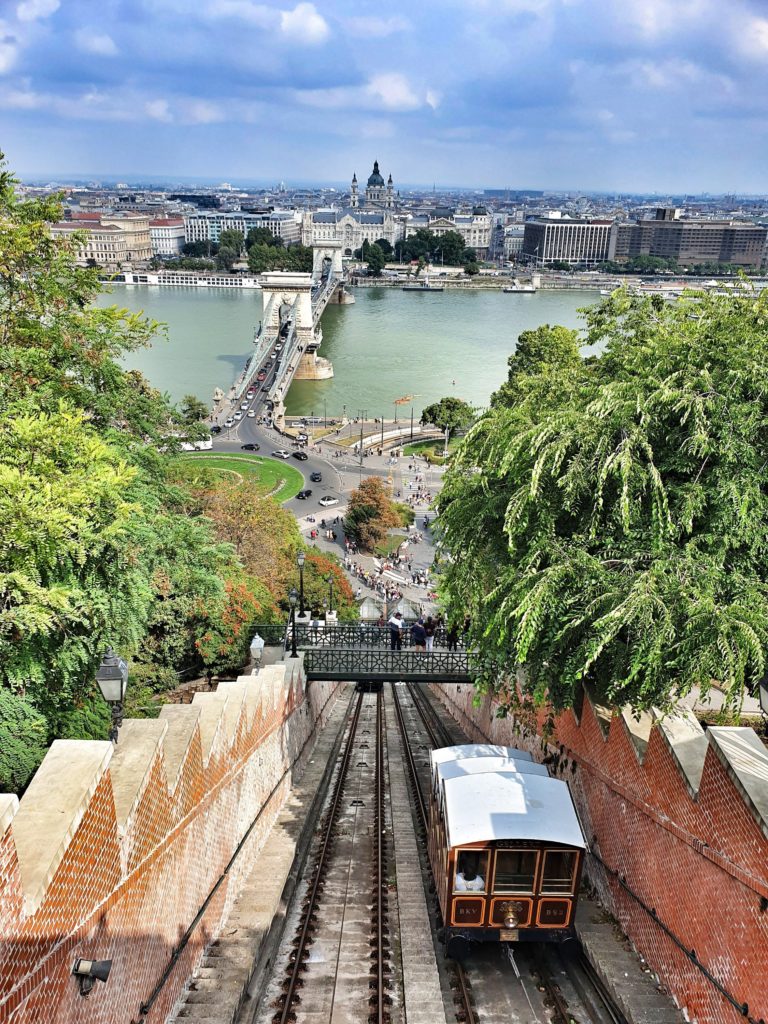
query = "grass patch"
{"x": 267, "y": 474}
{"x": 388, "y": 546}
{"x": 432, "y": 451}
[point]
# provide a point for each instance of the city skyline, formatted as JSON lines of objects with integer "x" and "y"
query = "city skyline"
{"x": 553, "y": 94}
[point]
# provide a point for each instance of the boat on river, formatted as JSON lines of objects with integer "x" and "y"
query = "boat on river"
{"x": 524, "y": 288}
{"x": 424, "y": 286}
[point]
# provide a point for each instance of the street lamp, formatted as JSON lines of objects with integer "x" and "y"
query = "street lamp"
{"x": 293, "y": 597}
{"x": 300, "y": 559}
{"x": 330, "y": 592}
{"x": 112, "y": 677}
{"x": 257, "y": 649}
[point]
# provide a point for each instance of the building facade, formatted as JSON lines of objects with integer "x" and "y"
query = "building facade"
{"x": 135, "y": 228}
{"x": 475, "y": 228}
{"x": 207, "y": 226}
{"x": 167, "y": 236}
{"x": 351, "y": 227}
{"x": 567, "y": 241}
{"x": 111, "y": 241}
{"x": 378, "y": 193}
{"x": 669, "y": 236}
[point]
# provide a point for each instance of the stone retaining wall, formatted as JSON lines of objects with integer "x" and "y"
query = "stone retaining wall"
{"x": 113, "y": 851}
{"x": 681, "y": 815}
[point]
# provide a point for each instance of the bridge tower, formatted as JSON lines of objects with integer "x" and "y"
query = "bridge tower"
{"x": 326, "y": 261}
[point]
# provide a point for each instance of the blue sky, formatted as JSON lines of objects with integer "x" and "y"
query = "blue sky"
{"x": 666, "y": 95}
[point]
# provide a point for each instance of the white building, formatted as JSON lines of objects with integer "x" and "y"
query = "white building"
{"x": 352, "y": 227}
{"x": 110, "y": 241}
{"x": 207, "y": 225}
{"x": 167, "y": 235}
{"x": 475, "y": 228}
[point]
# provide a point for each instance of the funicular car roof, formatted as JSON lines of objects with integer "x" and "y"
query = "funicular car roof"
{"x": 510, "y": 805}
{"x": 467, "y": 750}
{"x": 496, "y": 763}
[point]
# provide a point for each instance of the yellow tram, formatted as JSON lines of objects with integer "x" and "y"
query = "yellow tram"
{"x": 505, "y": 846}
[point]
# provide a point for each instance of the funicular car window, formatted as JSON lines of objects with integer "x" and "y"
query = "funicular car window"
{"x": 471, "y": 872}
{"x": 515, "y": 871}
{"x": 559, "y": 868}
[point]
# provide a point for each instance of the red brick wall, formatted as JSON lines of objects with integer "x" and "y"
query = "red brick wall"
{"x": 699, "y": 859}
{"x": 129, "y": 895}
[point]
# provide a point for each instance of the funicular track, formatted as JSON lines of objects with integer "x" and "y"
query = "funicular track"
{"x": 314, "y": 984}
{"x": 574, "y": 993}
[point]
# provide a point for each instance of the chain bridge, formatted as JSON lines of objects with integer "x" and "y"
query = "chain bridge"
{"x": 363, "y": 653}
{"x": 289, "y": 334}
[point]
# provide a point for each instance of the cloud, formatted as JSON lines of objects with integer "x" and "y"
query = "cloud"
{"x": 375, "y": 28}
{"x": 203, "y": 112}
{"x": 245, "y": 10}
{"x": 304, "y": 25}
{"x": 31, "y": 10}
{"x": 8, "y": 50}
{"x": 653, "y": 18}
{"x": 393, "y": 91}
{"x": 158, "y": 110}
{"x": 98, "y": 43}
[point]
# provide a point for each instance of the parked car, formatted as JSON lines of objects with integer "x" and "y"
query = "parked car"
{"x": 251, "y": 414}
{"x": 215, "y": 429}
{"x": 238, "y": 415}
{"x": 329, "y": 500}
{"x": 316, "y": 477}
{"x": 304, "y": 494}
{"x": 301, "y": 456}
{"x": 229, "y": 422}
{"x": 281, "y": 454}
{"x": 249, "y": 447}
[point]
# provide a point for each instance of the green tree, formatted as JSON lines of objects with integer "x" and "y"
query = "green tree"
{"x": 226, "y": 257}
{"x": 617, "y": 533}
{"x": 23, "y": 739}
{"x": 543, "y": 354}
{"x": 385, "y": 246}
{"x": 370, "y": 514}
{"x": 193, "y": 409}
{"x": 376, "y": 260}
{"x": 262, "y": 236}
{"x": 449, "y": 414}
{"x": 231, "y": 239}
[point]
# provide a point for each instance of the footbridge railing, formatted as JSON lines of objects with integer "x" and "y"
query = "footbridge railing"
{"x": 366, "y": 664}
{"x": 355, "y": 634}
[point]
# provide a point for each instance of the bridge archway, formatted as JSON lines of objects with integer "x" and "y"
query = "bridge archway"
{"x": 326, "y": 254}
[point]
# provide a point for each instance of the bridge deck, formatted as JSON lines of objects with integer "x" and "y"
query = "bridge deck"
{"x": 366, "y": 664}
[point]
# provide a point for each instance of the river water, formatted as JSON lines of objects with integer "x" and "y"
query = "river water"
{"x": 387, "y": 345}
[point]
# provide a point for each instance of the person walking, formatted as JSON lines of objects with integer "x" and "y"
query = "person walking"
{"x": 430, "y": 627}
{"x": 452, "y": 636}
{"x": 396, "y": 631}
{"x": 419, "y": 636}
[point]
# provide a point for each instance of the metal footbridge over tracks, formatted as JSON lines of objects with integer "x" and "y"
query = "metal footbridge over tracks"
{"x": 363, "y": 653}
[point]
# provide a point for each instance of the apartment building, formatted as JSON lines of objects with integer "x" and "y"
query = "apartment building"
{"x": 207, "y": 225}
{"x": 559, "y": 239}
{"x": 690, "y": 241}
{"x": 110, "y": 240}
{"x": 167, "y": 236}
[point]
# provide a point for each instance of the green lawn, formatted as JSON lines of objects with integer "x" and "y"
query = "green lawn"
{"x": 389, "y": 545}
{"x": 431, "y": 450}
{"x": 271, "y": 476}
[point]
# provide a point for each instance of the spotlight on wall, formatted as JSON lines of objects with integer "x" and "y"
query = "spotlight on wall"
{"x": 89, "y": 971}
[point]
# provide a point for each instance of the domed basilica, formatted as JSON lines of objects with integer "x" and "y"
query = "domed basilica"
{"x": 377, "y": 194}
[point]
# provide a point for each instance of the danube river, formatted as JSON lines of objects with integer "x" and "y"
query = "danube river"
{"x": 387, "y": 345}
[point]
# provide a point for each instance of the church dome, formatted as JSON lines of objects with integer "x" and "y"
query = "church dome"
{"x": 375, "y": 178}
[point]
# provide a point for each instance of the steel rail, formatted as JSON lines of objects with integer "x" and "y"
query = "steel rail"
{"x": 380, "y": 870}
{"x": 328, "y": 826}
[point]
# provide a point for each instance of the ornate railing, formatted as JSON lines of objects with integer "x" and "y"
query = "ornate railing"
{"x": 345, "y": 634}
{"x": 378, "y": 665}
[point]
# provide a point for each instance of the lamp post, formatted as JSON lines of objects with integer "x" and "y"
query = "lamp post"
{"x": 112, "y": 677}
{"x": 300, "y": 559}
{"x": 330, "y": 592}
{"x": 293, "y": 597}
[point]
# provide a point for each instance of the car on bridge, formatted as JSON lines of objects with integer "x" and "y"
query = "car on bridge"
{"x": 262, "y": 375}
{"x": 251, "y": 414}
{"x": 281, "y": 453}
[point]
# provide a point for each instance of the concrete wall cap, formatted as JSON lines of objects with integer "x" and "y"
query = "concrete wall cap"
{"x": 139, "y": 745}
{"x": 684, "y": 736}
{"x": 9, "y": 804}
{"x": 211, "y": 718}
{"x": 52, "y": 808}
{"x": 182, "y": 721}
{"x": 745, "y": 758}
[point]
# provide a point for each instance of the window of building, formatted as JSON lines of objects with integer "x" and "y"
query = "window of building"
{"x": 472, "y": 865}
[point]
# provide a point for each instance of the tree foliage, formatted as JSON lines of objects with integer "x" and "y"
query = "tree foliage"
{"x": 266, "y": 257}
{"x": 370, "y": 514}
{"x": 375, "y": 258}
{"x": 610, "y": 524}
{"x": 231, "y": 239}
{"x": 449, "y": 414}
